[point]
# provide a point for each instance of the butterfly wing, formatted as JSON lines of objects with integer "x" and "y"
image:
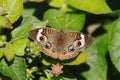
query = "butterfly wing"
{"x": 60, "y": 45}
{"x": 76, "y": 42}
{"x": 45, "y": 37}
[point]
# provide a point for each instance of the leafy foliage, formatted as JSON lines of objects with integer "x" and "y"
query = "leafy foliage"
{"x": 69, "y": 21}
{"x": 13, "y": 48}
{"x": 92, "y": 6}
{"x": 115, "y": 45}
{"x": 15, "y": 71}
{"x": 21, "y": 59}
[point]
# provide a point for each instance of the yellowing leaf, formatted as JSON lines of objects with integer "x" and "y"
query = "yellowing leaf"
{"x": 1, "y": 52}
{"x": 5, "y": 22}
{"x": 13, "y": 9}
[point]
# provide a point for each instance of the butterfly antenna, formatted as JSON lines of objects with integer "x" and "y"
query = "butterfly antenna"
{"x": 69, "y": 23}
{"x": 57, "y": 22}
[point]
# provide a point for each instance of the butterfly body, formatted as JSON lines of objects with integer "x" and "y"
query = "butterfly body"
{"x": 60, "y": 44}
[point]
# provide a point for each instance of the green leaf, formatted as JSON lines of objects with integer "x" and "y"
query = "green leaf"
{"x": 9, "y": 51}
{"x": 92, "y": 6}
{"x": 62, "y": 4}
{"x": 36, "y": 0}
{"x": 3, "y": 39}
{"x": 16, "y": 70}
{"x": 97, "y": 61}
{"x": 56, "y": 3}
{"x": 16, "y": 47}
{"x": 81, "y": 58}
{"x": 43, "y": 78}
{"x": 22, "y": 31}
{"x": 29, "y": 22}
{"x": 28, "y": 13}
{"x": 19, "y": 46}
{"x": 114, "y": 46}
{"x": 5, "y": 22}
{"x": 29, "y": 19}
{"x": 45, "y": 62}
{"x": 14, "y": 9}
{"x": 69, "y": 21}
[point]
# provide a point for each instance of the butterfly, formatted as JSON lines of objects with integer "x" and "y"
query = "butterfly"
{"x": 60, "y": 44}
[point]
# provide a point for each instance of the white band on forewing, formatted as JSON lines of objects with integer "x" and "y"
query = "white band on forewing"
{"x": 39, "y": 34}
{"x": 82, "y": 40}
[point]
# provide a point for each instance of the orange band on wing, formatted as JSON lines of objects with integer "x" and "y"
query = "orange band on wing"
{"x": 67, "y": 56}
{"x": 46, "y": 31}
{"x": 59, "y": 56}
{"x": 75, "y": 35}
{"x": 71, "y": 33}
{"x": 51, "y": 31}
{"x": 50, "y": 53}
